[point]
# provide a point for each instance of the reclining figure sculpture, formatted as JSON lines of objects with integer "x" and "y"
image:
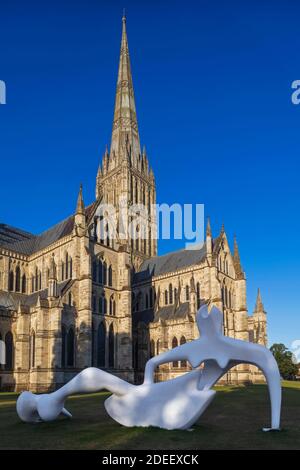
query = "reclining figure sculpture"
{"x": 175, "y": 403}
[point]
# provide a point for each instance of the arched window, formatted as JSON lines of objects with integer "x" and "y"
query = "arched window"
{"x": 62, "y": 273}
{"x": 36, "y": 279}
{"x": 70, "y": 348}
{"x": 32, "y": 350}
{"x": 198, "y": 295}
{"x": 166, "y": 297}
{"x": 152, "y": 348}
{"x": 175, "y": 295}
{"x": 174, "y": 345}
{"x": 187, "y": 292}
{"x": 183, "y": 341}
{"x": 111, "y": 347}
{"x": 226, "y": 296}
{"x": 67, "y": 265}
{"x": 104, "y": 305}
{"x": 101, "y": 335}
{"x": 94, "y": 273}
{"x": 100, "y": 271}
{"x": 18, "y": 279}
{"x": 40, "y": 281}
{"x": 146, "y": 301}
{"x": 24, "y": 284}
{"x": 151, "y": 297}
{"x": 63, "y": 346}
{"x": 110, "y": 276}
{"x": 70, "y": 299}
{"x": 70, "y": 268}
{"x": 9, "y": 351}
{"x": 112, "y": 305}
{"x": 11, "y": 281}
{"x": 104, "y": 278}
{"x": 170, "y": 294}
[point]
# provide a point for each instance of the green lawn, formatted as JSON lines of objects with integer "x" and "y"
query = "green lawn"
{"x": 233, "y": 420}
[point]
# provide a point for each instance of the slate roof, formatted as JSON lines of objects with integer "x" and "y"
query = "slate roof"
{"x": 168, "y": 312}
{"x": 170, "y": 262}
{"x": 10, "y": 300}
{"x": 26, "y": 243}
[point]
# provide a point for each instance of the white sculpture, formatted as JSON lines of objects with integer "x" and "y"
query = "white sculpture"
{"x": 176, "y": 403}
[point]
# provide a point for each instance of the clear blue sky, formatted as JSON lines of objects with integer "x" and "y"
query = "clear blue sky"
{"x": 212, "y": 83}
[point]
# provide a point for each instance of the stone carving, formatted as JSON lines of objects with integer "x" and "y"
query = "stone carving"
{"x": 173, "y": 404}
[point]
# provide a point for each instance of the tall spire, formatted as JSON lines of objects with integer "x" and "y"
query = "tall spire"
{"x": 208, "y": 228}
{"x": 259, "y": 306}
{"x": 125, "y": 120}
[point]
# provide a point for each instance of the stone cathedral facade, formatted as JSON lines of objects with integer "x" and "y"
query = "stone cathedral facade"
{"x": 70, "y": 299}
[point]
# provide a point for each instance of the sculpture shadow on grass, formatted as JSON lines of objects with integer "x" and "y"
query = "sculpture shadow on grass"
{"x": 177, "y": 403}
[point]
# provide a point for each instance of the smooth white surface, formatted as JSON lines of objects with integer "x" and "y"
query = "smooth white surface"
{"x": 176, "y": 403}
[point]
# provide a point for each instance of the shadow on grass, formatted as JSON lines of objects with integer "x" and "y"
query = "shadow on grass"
{"x": 233, "y": 421}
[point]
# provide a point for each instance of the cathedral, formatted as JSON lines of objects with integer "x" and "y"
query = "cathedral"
{"x": 72, "y": 298}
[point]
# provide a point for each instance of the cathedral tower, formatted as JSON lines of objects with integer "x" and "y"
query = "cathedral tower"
{"x": 125, "y": 178}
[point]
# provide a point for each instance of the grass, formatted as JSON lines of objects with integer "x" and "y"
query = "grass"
{"x": 233, "y": 421}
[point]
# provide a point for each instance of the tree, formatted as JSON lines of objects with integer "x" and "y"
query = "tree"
{"x": 288, "y": 369}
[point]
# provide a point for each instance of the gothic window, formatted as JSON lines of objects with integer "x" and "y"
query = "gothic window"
{"x": 32, "y": 350}
{"x": 32, "y": 284}
{"x": 104, "y": 305}
{"x": 149, "y": 243}
{"x": 40, "y": 280}
{"x": 11, "y": 281}
{"x": 70, "y": 347}
{"x": 146, "y": 301}
{"x": 170, "y": 293}
{"x": 63, "y": 346}
{"x": 174, "y": 345}
{"x": 67, "y": 266}
{"x": 107, "y": 236}
{"x": 18, "y": 279}
{"x": 36, "y": 279}
{"x": 111, "y": 347}
{"x": 104, "y": 275}
{"x": 166, "y": 297}
{"x": 152, "y": 348}
{"x": 70, "y": 268}
{"x": 24, "y": 284}
{"x": 144, "y": 197}
{"x": 70, "y": 299}
{"x": 110, "y": 276}
{"x": 112, "y": 305}
{"x": 183, "y": 341}
{"x": 101, "y": 335}
{"x": 175, "y": 295}
{"x": 94, "y": 273}
{"x": 9, "y": 351}
{"x": 136, "y": 192}
{"x": 187, "y": 292}
{"x": 151, "y": 297}
{"x": 100, "y": 271}
{"x": 62, "y": 274}
{"x": 198, "y": 295}
{"x": 100, "y": 304}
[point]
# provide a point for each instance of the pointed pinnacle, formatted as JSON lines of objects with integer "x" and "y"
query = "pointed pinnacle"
{"x": 208, "y": 227}
{"x": 259, "y": 306}
{"x": 80, "y": 203}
